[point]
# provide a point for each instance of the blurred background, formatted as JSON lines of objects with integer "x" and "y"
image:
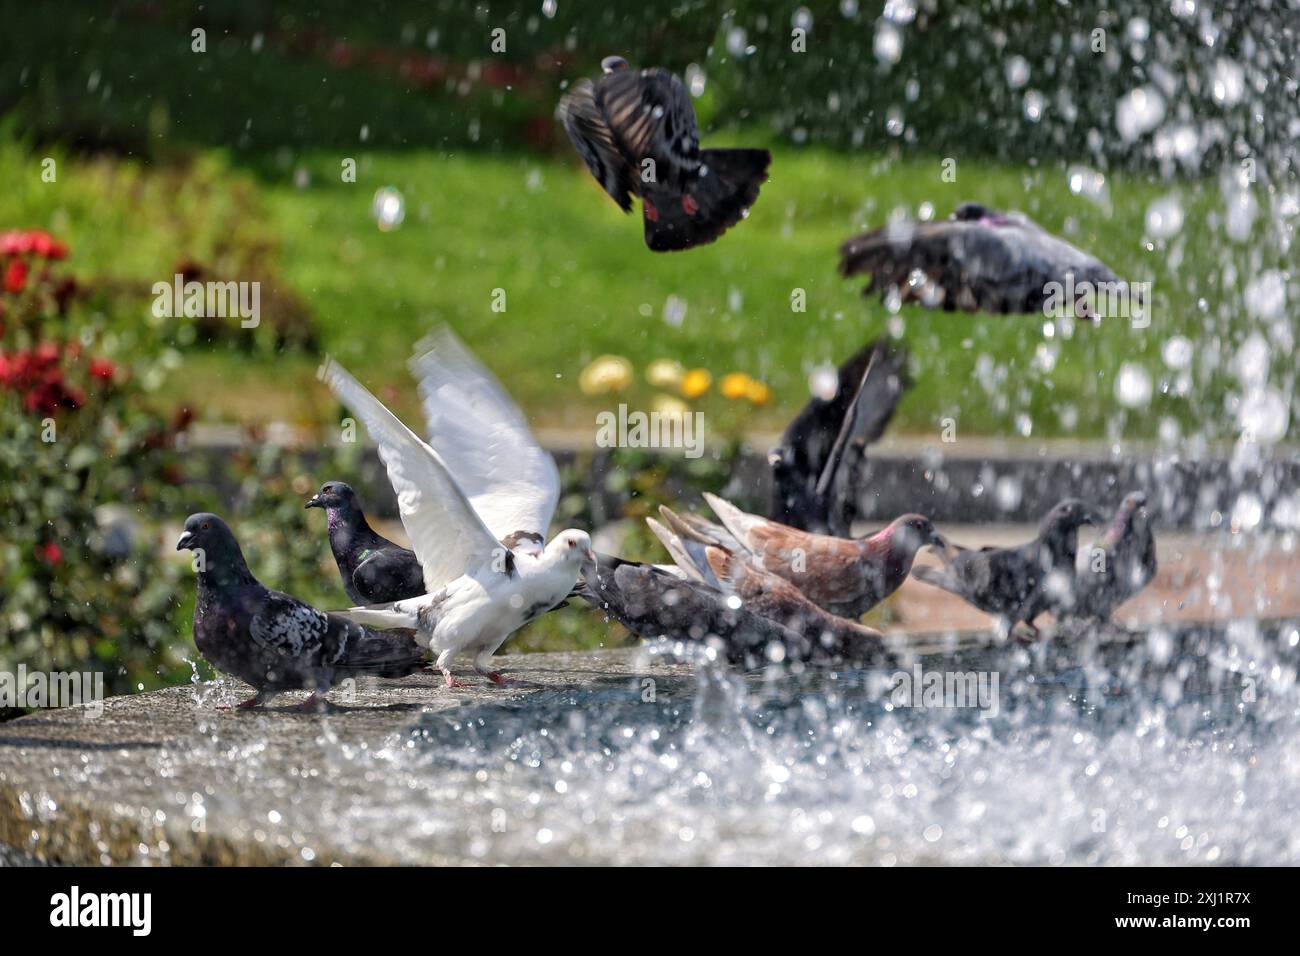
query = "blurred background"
{"x": 379, "y": 168}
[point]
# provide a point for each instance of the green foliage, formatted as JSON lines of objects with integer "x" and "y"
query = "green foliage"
{"x": 84, "y": 587}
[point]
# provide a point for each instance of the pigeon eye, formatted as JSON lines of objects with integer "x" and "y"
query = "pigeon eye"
{"x": 204, "y": 526}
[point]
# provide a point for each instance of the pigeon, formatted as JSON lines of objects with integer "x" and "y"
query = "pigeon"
{"x": 636, "y": 131}
{"x": 1121, "y": 563}
{"x": 978, "y": 260}
{"x": 847, "y": 577}
{"x": 818, "y": 467}
{"x": 1017, "y": 584}
{"x": 825, "y": 637}
{"x": 272, "y": 640}
{"x": 482, "y": 582}
{"x": 374, "y": 569}
{"x": 653, "y": 601}
{"x": 511, "y": 481}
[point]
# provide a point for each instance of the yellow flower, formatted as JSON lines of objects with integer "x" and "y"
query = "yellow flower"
{"x": 736, "y": 385}
{"x": 669, "y": 405}
{"x": 607, "y": 373}
{"x": 696, "y": 382}
{"x": 665, "y": 373}
{"x": 758, "y": 393}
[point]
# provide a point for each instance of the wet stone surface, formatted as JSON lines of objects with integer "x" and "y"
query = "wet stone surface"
{"x": 1081, "y": 752}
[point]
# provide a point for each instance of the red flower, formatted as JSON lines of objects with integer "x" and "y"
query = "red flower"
{"x": 14, "y": 243}
{"x": 102, "y": 368}
{"x": 18, "y": 242}
{"x": 51, "y": 552}
{"x": 16, "y": 276}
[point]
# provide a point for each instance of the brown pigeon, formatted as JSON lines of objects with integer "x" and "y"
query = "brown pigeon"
{"x": 845, "y": 576}
{"x": 636, "y": 131}
{"x": 761, "y": 592}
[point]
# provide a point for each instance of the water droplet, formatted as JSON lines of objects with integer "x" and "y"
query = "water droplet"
{"x": 737, "y": 41}
{"x": 1133, "y": 386}
{"x": 674, "y": 310}
{"x": 888, "y": 42}
{"x": 900, "y": 11}
{"x": 1177, "y": 352}
{"x": 548, "y": 9}
{"x": 1266, "y": 295}
{"x": 1164, "y": 217}
{"x": 388, "y": 208}
{"x": 1139, "y": 111}
{"x": 1017, "y": 72}
{"x": 696, "y": 79}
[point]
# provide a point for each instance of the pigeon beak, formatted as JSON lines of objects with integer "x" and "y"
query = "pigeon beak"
{"x": 938, "y": 541}
{"x": 315, "y": 502}
{"x": 184, "y": 542}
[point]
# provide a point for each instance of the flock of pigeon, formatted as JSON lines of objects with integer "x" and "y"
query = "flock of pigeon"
{"x": 477, "y": 495}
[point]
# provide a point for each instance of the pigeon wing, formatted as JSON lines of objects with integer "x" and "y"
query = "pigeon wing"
{"x": 287, "y": 626}
{"x": 650, "y": 115}
{"x": 594, "y": 141}
{"x": 448, "y": 536}
{"x": 511, "y": 481}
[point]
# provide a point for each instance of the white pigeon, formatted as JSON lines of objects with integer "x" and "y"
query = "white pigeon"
{"x": 480, "y": 589}
{"x": 484, "y": 438}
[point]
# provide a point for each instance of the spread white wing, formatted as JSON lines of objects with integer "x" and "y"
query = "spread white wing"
{"x": 448, "y": 536}
{"x": 511, "y": 481}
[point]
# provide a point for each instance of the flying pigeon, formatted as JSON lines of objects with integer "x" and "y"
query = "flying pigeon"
{"x": 1121, "y": 563}
{"x": 826, "y": 637}
{"x": 818, "y": 467}
{"x": 274, "y": 641}
{"x": 653, "y": 601}
{"x": 635, "y": 130}
{"x": 374, "y": 569}
{"x": 486, "y": 573}
{"x": 847, "y": 577}
{"x": 978, "y": 260}
{"x": 1017, "y": 584}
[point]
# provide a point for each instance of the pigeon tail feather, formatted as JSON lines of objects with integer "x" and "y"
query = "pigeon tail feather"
{"x": 382, "y": 616}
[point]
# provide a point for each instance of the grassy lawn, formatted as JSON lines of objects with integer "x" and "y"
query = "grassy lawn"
{"x": 579, "y": 282}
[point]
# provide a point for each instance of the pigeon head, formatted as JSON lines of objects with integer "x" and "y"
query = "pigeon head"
{"x": 781, "y": 460}
{"x": 911, "y": 532}
{"x": 1067, "y": 517}
{"x": 612, "y": 63}
{"x": 333, "y": 494}
{"x": 572, "y": 547}
{"x": 217, "y": 554}
{"x": 1132, "y": 513}
{"x": 971, "y": 212}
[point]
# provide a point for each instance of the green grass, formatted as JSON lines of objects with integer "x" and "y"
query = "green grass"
{"x": 579, "y": 282}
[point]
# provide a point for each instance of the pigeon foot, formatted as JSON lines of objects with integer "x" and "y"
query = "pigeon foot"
{"x": 315, "y": 704}
{"x": 452, "y": 681}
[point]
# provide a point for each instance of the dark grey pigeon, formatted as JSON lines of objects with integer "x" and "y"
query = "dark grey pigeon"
{"x": 979, "y": 260}
{"x": 274, "y": 641}
{"x": 653, "y": 602}
{"x": 1017, "y": 584}
{"x": 374, "y": 569}
{"x": 1120, "y": 564}
{"x": 818, "y": 467}
{"x": 636, "y": 131}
